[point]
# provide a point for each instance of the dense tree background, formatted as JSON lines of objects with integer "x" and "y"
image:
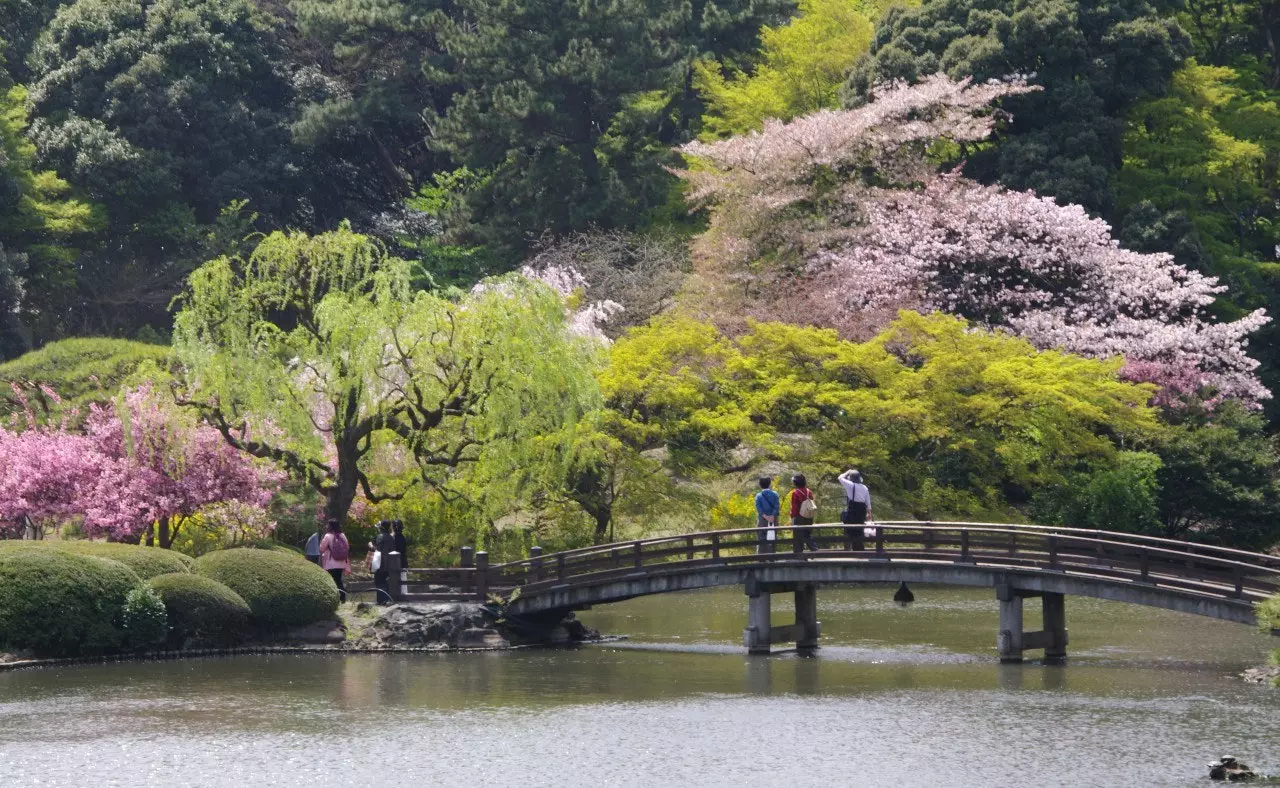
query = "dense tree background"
{"x": 141, "y": 139}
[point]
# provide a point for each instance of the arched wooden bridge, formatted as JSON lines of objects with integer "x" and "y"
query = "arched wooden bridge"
{"x": 1018, "y": 561}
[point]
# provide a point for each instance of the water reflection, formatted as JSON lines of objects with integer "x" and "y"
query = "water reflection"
{"x": 917, "y": 688}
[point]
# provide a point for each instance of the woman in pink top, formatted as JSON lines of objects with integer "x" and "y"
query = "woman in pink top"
{"x": 335, "y": 555}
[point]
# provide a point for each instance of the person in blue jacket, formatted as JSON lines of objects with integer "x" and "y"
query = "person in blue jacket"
{"x": 768, "y": 507}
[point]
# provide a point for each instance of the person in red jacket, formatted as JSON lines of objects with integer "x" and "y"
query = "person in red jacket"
{"x": 800, "y": 493}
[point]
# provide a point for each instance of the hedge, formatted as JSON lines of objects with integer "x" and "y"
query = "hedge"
{"x": 201, "y": 611}
{"x": 56, "y": 603}
{"x": 282, "y": 590}
{"x": 147, "y": 562}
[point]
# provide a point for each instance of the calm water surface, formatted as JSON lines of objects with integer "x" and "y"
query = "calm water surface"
{"x": 897, "y": 697}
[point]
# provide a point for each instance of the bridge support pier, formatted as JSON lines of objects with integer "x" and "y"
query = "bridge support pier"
{"x": 760, "y": 634}
{"x": 1012, "y": 640}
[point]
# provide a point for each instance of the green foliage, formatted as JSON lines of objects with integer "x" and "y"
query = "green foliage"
{"x": 144, "y": 619}
{"x": 1269, "y": 614}
{"x": 1219, "y": 483}
{"x": 296, "y": 336}
{"x": 146, "y": 562}
{"x": 164, "y": 112}
{"x": 1094, "y": 61}
{"x": 282, "y": 590}
{"x": 942, "y": 417}
{"x": 799, "y": 69}
{"x": 79, "y": 371}
{"x": 201, "y": 611}
{"x": 539, "y": 128}
{"x": 58, "y": 604}
{"x": 1120, "y": 496}
{"x": 1199, "y": 180}
{"x": 40, "y": 224}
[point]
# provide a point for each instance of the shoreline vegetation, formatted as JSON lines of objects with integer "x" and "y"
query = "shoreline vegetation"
{"x": 362, "y": 628}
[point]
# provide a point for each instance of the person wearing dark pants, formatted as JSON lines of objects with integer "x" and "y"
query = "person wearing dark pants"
{"x": 335, "y": 556}
{"x": 857, "y": 510}
{"x": 768, "y": 507}
{"x": 382, "y": 544}
{"x": 801, "y": 514}
{"x": 402, "y": 544}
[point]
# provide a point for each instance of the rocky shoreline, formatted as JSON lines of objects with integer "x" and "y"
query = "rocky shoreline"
{"x": 1267, "y": 674}
{"x": 363, "y": 628}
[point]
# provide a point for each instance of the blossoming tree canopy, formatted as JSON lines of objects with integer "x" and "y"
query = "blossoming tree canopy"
{"x": 857, "y": 223}
{"x": 157, "y": 466}
{"x": 315, "y": 351}
{"x": 139, "y": 463}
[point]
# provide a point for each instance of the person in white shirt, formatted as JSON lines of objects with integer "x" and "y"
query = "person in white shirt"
{"x": 857, "y": 510}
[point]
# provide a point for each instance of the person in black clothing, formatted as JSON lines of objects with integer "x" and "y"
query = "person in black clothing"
{"x": 382, "y": 544}
{"x": 402, "y": 546}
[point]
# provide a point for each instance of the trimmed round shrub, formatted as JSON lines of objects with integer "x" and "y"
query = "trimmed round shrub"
{"x": 145, "y": 622}
{"x": 282, "y": 590}
{"x": 147, "y": 562}
{"x": 200, "y": 611}
{"x": 59, "y": 604}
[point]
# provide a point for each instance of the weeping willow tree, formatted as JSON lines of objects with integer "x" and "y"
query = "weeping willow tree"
{"x": 316, "y": 352}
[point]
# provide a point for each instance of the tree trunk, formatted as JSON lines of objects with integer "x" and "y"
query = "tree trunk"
{"x": 166, "y": 537}
{"x": 151, "y": 535}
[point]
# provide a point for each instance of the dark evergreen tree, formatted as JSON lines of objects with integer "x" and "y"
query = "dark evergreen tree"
{"x": 567, "y": 107}
{"x": 164, "y": 112}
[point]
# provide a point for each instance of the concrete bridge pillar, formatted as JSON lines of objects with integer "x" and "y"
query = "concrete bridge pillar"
{"x": 1012, "y": 640}
{"x": 760, "y": 634}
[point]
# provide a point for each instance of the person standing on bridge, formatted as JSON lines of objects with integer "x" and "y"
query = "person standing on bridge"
{"x": 402, "y": 544}
{"x": 768, "y": 507}
{"x": 802, "y": 514}
{"x": 857, "y": 510}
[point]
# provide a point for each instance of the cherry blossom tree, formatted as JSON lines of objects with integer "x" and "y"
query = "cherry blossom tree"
{"x": 845, "y": 216}
{"x": 158, "y": 468}
{"x": 140, "y": 463}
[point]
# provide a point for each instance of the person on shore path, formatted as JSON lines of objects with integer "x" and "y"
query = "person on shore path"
{"x": 768, "y": 507}
{"x": 312, "y": 550}
{"x": 402, "y": 544}
{"x": 335, "y": 556}
{"x": 801, "y": 514}
{"x": 857, "y": 510}
{"x": 382, "y": 544}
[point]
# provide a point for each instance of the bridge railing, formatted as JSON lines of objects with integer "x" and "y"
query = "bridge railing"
{"x": 1200, "y": 569}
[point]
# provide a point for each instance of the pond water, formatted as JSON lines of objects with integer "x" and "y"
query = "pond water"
{"x": 895, "y": 697}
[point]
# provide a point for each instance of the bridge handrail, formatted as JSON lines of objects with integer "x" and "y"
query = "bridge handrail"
{"x": 1154, "y": 546}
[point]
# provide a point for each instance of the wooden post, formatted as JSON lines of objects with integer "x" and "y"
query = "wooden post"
{"x": 637, "y": 560}
{"x": 964, "y": 545}
{"x": 715, "y": 545}
{"x": 807, "y": 616}
{"x": 1053, "y": 551}
{"x": 482, "y": 575}
{"x": 879, "y": 540}
{"x": 468, "y": 557}
{"x": 395, "y": 581}
{"x": 560, "y": 565}
{"x": 1009, "y": 639}
{"x": 1144, "y": 565}
{"x": 756, "y": 636}
{"x": 688, "y": 543}
{"x": 535, "y": 564}
{"x": 1055, "y": 626}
